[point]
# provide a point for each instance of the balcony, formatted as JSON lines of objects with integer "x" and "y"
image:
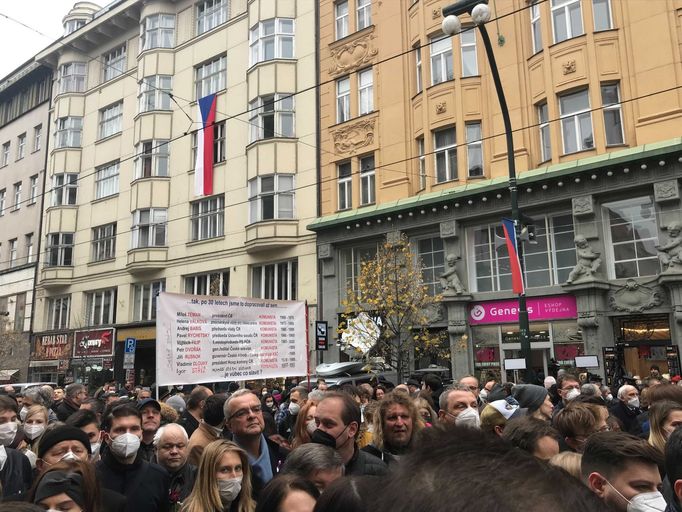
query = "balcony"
{"x": 146, "y": 259}
{"x": 271, "y": 234}
{"x": 56, "y": 277}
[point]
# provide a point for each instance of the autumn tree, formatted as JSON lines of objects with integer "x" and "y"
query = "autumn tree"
{"x": 387, "y": 309}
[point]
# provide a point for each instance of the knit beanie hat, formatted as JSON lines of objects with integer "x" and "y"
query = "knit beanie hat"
{"x": 59, "y": 434}
{"x": 530, "y": 396}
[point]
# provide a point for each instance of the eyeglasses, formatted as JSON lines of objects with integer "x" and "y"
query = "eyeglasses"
{"x": 242, "y": 413}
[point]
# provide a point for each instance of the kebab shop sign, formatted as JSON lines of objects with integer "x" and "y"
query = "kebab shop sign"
{"x": 507, "y": 311}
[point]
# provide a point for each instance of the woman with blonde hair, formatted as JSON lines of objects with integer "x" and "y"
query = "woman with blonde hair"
{"x": 305, "y": 424}
{"x": 664, "y": 417}
{"x": 569, "y": 462}
{"x": 223, "y": 481}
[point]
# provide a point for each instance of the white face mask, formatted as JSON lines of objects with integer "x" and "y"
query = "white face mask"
{"x": 633, "y": 402}
{"x": 609, "y": 397}
{"x": 483, "y": 395}
{"x": 34, "y": 430}
{"x": 294, "y": 408}
{"x": 23, "y": 413}
{"x": 126, "y": 445}
{"x": 229, "y": 489}
{"x": 573, "y": 393}
{"x": 8, "y": 431}
{"x": 643, "y": 502}
{"x": 3, "y": 457}
{"x": 468, "y": 418}
{"x": 69, "y": 456}
{"x": 311, "y": 427}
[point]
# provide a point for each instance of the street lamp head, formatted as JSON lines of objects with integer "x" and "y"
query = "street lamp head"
{"x": 451, "y": 25}
{"x": 480, "y": 14}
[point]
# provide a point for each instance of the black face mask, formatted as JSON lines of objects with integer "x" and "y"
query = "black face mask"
{"x": 326, "y": 439}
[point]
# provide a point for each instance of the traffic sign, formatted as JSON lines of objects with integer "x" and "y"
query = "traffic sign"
{"x": 130, "y": 345}
{"x": 128, "y": 361}
{"x": 321, "y": 335}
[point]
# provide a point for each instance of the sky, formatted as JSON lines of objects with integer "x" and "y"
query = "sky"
{"x": 19, "y": 43}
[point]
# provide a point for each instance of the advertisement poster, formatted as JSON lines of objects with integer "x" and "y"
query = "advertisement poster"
{"x": 539, "y": 308}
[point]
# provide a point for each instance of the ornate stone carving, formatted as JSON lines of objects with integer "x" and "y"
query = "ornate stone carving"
{"x": 457, "y": 327}
{"x": 442, "y": 107}
{"x": 435, "y": 13}
{"x": 434, "y": 313}
{"x": 448, "y": 229}
{"x": 583, "y": 205}
{"x": 351, "y": 138}
{"x": 569, "y": 67}
{"x": 348, "y": 57}
{"x": 670, "y": 254}
{"x": 666, "y": 191}
{"x": 449, "y": 280}
{"x": 634, "y": 297}
{"x": 588, "y": 320}
{"x": 588, "y": 261}
{"x": 324, "y": 251}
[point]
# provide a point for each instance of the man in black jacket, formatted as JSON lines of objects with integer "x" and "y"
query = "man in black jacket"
{"x": 75, "y": 394}
{"x": 189, "y": 419}
{"x": 15, "y": 469}
{"x": 627, "y": 408}
{"x": 122, "y": 469}
{"x": 171, "y": 444}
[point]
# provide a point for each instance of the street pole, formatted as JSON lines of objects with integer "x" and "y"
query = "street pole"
{"x": 467, "y": 6}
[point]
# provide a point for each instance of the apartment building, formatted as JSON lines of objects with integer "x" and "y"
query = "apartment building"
{"x": 412, "y": 141}
{"x": 24, "y": 103}
{"x": 122, "y": 220}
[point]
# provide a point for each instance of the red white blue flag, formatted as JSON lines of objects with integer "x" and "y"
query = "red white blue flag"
{"x": 514, "y": 262}
{"x": 203, "y": 167}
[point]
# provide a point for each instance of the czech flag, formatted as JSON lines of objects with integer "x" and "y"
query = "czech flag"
{"x": 514, "y": 262}
{"x": 203, "y": 167}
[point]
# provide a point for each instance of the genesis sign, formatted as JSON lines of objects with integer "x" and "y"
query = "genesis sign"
{"x": 507, "y": 311}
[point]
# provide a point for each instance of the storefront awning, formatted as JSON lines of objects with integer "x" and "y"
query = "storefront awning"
{"x": 6, "y": 375}
{"x": 41, "y": 364}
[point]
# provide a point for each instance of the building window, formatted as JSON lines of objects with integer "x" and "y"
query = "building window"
{"x": 110, "y": 120}
{"x": 211, "y": 283}
{"x": 272, "y": 39}
{"x": 106, "y": 180}
{"x": 272, "y": 116}
{"x": 104, "y": 242}
{"x": 271, "y": 197}
{"x": 64, "y": 188}
{"x": 149, "y": 227}
{"x": 69, "y": 130}
{"x": 432, "y": 255}
{"x": 17, "y": 196}
{"x": 474, "y": 150}
{"x": 468, "y": 48}
{"x": 364, "y": 14}
{"x": 352, "y": 263}
{"x": 3, "y": 200}
{"x": 29, "y": 248}
{"x": 633, "y": 237}
{"x": 210, "y": 14}
{"x": 367, "y": 180}
{"x": 13, "y": 246}
{"x": 366, "y": 91}
{"x": 21, "y": 146}
{"x": 422, "y": 163}
{"x": 277, "y": 281}
{"x": 576, "y": 121}
{"x": 342, "y": 100}
{"x": 59, "y": 250}
{"x": 418, "y": 66}
{"x": 114, "y": 63}
{"x": 536, "y": 27}
{"x": 58, "y": 312}
{"x": 152, "y": 159}
{"x": 602, "y": 15}
{"x": 144, "y": 300}
{"x": 33, "y": 189}
{"x": 155, "y": 93}
{"x": 445, "y": 154}
{"x": 441, "y": 60}
{"x": 72, "y": 77}
{"x": 37, "y": 136}
{"x": 100, "y": 308}
{"x": 158, "y": 31}
{"x": 567, "y": 19}
{"x": 5, "y": 153}
{"x": 73, "y": 25}
{"x": 548, "y": 262}
{"x": 341, "y": 16}
{"x": 613, "y": 115}
{"x": 207, "y": 218}
{"x": 345, "y": 178}
{"x": 211, "y": 77}
{"x": 218, "y": 144}
{"x": 545, "y": 140}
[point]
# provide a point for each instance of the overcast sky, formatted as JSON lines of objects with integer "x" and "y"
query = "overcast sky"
{"x": 19, "y": 43}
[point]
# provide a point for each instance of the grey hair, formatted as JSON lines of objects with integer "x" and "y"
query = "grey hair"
{"x": 624, "y": 389}
{"x": 311, "y": 457}
{"x": 236, "y": 394}
{"x": 72, "y": 390}
{"x": 159, "y": 433}
{"x": 302, "y": 392}
{"x": 443, "y": 400}
{"x": 590, "y": 389}
{"x": 316, "y": 395}
{"x": 38, "y": 396}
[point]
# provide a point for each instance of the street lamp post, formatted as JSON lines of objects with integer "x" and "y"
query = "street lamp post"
{"x": 480, "y": 14}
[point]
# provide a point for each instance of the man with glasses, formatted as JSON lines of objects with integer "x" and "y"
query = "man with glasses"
{"x": 244, "y": 418}
{"x": 568, "y": 388}
{"x": 210, "y": 427}
{"x": 472, "y": 383}
{"x": 578, "y": 421}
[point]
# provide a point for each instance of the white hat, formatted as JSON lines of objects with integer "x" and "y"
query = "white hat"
{"x": 549, "y": 382}
{"x": 505, "y": 408}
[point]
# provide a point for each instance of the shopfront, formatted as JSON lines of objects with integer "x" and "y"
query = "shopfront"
{"x": 50, "y": 354}
{"x": 143, "y": 370}
{"x": 93, "y": 357}
{"x": 554, "y": 334}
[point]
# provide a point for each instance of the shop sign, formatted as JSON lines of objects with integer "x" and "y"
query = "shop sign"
{"x": 539, "y": 308}
{"x": 47, "y": 347}
{"x": 98, "y": 342}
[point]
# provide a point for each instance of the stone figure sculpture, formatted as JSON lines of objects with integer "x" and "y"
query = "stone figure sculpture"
{"x": 588, "y": 261}
{"x": 670, "y": 254}
{"x": 449, "y": 280}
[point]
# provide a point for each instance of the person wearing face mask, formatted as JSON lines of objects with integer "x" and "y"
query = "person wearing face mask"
{"x": 664, "y": 417}
{"x": 297, "y": 399}
{"x": 622, "y": 470}
{"x": 626, "y": 408}
{"x": 86, "y": 421}
{"x": 568, "y": 388}
{"x": 223, "y": 481}
{"x": 34, "y": 426}
{"x": 458, "y": 406}
{"x": 210, "y": 427}
{"x": 15, "y": 469}
{"x": 305, "y": 424}
{"x": 121, "y": 468}
{"x": 338, "y": 424}
{"x": 269, "y": 409}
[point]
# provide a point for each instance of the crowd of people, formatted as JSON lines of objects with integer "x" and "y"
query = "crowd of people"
{"x": 566, "y": 445}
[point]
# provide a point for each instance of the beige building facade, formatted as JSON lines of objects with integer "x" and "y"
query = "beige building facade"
{"x": 122, "y": 221}
{"x": 412, "y": 140}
